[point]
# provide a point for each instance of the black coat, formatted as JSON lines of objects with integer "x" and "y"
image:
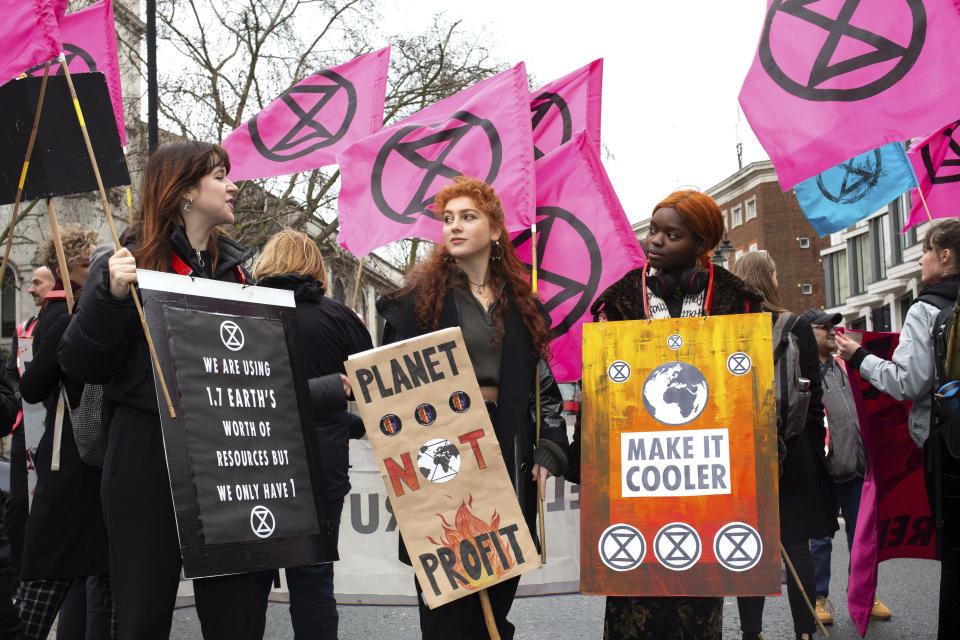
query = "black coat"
{"x": 808, "y": 498}
{"x": 515, "y": 430}
{"x": 329, "y": 333}
{"x": 65, "y": 535}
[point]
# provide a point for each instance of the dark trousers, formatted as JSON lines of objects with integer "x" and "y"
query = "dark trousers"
{"x": 144, "y": 549}
{"x": 86, "y": 610}
{"x": 751, "y": 608}
{"x": 848, "y": 499}
{"x": 942, "y": 475}
{"x": 463, "y": 619}
{"x": 313, "y": 608}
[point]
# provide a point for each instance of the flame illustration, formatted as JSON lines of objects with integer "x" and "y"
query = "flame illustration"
{"x": 466, "y": 526}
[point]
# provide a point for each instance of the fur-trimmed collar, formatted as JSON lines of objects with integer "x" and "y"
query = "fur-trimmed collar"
{"x": 621, "y": 300}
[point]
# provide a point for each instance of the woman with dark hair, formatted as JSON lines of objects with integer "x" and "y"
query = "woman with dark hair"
{"x": 808, "y": 499}
{"x": 329, "y": 334}
{"x": 474, "y": 280}
{"x": 65, "y": 541}
{"x": 185, "y": 196}
{"x": 678, "y": 281}
{"x": 912, "y": 374}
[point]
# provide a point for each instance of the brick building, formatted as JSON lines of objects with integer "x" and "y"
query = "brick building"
{"x": 759, "y": 215}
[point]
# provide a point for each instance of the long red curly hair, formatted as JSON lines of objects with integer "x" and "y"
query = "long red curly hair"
{"x": 431, "y": 280}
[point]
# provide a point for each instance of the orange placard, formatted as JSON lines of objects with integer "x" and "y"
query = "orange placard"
{"x": 679, "y": 458}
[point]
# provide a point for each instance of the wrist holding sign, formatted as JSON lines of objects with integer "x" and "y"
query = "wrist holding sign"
{"x": 551, "y": 457}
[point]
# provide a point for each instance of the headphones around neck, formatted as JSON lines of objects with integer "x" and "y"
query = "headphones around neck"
{"x": 691, "y": 283}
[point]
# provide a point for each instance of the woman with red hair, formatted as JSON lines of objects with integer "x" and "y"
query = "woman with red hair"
{"x": 474, "y": 280}
{"x": 677, "y": 281}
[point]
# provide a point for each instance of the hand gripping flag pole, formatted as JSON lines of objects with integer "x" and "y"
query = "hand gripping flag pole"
{"x": 116, "y": 239}
{"x": 23, "y": 172}
{"x": 536, "y": 384}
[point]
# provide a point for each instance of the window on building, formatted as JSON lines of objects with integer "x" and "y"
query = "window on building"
{"x": 879, "y": 243}
{"x": 752, "y": 247}
{"x": 905, "y": 303}
{"x": 806, "y": 289}
{"x": 8, "y": 304}
{"x": 736, "y": 216}
{"x": 737, "y": 254}
{"x": 860, "y": 324}
{"x": 835, "y": 268}
{"x": 751, "y": 209}
{"x": 895, "y": 220}
{"x": 804, "y": 243}
{"x": 726, "y": 219}
{"x": 881, "y": 318}
{"x": 338, "y": 291}
{"x": 858, "y": 252}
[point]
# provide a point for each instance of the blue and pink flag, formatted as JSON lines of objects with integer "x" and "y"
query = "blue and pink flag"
{"x": 936, "y": 161}
{"x": 565, "y": 106}
{"x": 840, "y": 196}
{"x": 835, "y": 78}
{"x": 894, "y": 520}
{"x": 90, "y": 44}
{"x": 313, "y": 121}
{"x": 584, "y": 244}
{"x": 30, "y": 33}
{"x": 389, "y": 179}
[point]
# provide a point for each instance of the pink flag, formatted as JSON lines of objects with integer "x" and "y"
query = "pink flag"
{"x": 30, "y": 33}
{"x": 936, "y": 161}
{"x": 894, "y": 520}
{"x": 313, "y": 121}
{"x": 835, "y": 78}
{"x": 584, "y": 244}
{"x": 90, "y": 44}
{"x": 565, "y": 106}
{"x": 388, "y": 180}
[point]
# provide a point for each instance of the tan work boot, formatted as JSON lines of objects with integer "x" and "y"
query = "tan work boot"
{"x": 825, "y": 611}
{"x": 880, "y": 611}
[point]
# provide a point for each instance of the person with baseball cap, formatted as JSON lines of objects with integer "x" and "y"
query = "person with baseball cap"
{"x": 846, "y": 457}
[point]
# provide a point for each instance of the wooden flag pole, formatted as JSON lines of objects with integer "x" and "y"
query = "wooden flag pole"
{"x": 536, "y": 390}
{"x": 129, "y": 209}
{"x": 61, "y": 256}
{"x": 356, "y": 289}
{"x": 919, "y": 190}
{"x": 488, "y": 615}
{"x": 793, "y": 572}
{"x": 23, "y": 172}
{"x": 113, "y": 231}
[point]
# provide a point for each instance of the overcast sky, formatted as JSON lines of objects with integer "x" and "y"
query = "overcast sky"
{"x": 672, "y": 72}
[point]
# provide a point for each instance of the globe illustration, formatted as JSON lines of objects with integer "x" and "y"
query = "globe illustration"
{"x": 438, "y": 460}
{"x": 675, "y": 393}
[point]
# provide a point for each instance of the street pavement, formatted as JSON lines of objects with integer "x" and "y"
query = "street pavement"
{"x": 909, "y": 587}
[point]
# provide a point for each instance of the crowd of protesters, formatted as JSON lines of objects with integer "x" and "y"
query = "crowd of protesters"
{"x": 98, "y": 545}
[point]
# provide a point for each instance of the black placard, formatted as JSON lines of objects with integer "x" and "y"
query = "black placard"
{"x": 242, "y": 425}
{"x": 212, "y": 345}
{"x": 60, "y": 164}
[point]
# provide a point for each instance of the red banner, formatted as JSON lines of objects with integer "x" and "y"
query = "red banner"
{"x": 894, "y": 519}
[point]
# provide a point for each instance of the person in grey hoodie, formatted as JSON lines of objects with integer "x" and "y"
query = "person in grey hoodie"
{"x": 846, "y": 457}
{"x": 911, "y": 375}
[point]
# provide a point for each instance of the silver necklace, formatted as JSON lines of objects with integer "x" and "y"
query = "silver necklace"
{"x": 479, "y": 285}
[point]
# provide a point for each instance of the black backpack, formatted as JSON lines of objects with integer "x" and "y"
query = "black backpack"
{"x": 945, "y": 413}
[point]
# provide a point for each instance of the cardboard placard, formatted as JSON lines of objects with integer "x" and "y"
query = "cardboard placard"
{"x": 242, "y": 459}
{"x": 441, "y": 465}
{"x": 679, "y": 459}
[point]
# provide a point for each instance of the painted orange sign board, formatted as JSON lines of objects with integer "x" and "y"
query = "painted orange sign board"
{"x": 679, "y": 458}
{"x": 441, "y": 465}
